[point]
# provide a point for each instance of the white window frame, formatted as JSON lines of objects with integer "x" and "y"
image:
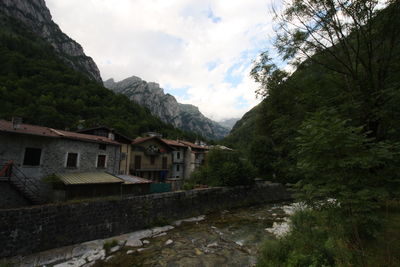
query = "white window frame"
{"x": 78, "y": 159}
{"x": 105, "y": 161}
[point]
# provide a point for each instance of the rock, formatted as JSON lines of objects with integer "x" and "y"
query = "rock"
{"x": 115, "y": 249}
{"x": 133, "y": 243}
{"x": 183, "y": 116}
{"x": 146, "y": 242}
{"x": 160, "y": 234}
{"x": 193, "y": 219}
{"x": 130, "y": 252}
{"x": 198, "y": 251}
{"x": 239, "y": 243}
{"x": 214, "y": 244}
{"x": 158, "y": 230}
{"x": 72, "y": 263}
{"x": 97, "y": 256}
{"x": 110, "y": 258}
{"x": 36, "y": 16}
{"x": 141, "y": 249}
{"x": 168, "y": 242}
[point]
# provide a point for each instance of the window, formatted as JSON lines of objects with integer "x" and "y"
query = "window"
{"x": 152, "y": 160}
{"x": 164, "y": 162}
{"x": 177, "y": 168}
{"x": 101, "y": 161}
{"x": 32, "y": 156}
{"x": 72, "y": 160}
{"x": 102, "y": 146}
{"x": 178, "y": 155}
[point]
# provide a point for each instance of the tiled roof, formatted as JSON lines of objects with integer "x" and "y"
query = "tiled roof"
{"x": 88, "y": 178}
{"x": 7, "y": 126}
{"x": 192, "y": 145}
{"x": 130, "y": 179}
{"x": 173, "y": 142}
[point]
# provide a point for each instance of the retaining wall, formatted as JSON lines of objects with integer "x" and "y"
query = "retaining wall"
{"x": 28, "y": 230}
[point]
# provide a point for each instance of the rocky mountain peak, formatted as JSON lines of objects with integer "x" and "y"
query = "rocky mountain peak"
{"x": 166, "y": 107}
{"x": 36, "y": 16}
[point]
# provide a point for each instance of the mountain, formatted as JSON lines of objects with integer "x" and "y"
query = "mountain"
{"x": 40, "y": 86}
{"x": 36, "y": 16}
{"x": 228, "y": 123}
{"x": 243, "y": 131}
{"x": 184, "y": 116}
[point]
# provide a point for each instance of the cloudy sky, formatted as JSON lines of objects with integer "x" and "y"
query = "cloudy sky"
{"x": 200, "y": 51}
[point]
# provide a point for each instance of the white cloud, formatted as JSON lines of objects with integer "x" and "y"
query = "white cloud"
{"x": 174, "y": 42}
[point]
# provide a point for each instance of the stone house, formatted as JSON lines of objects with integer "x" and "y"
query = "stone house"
{"x": 38, "y": 152}
{"x": 124, "y": 141}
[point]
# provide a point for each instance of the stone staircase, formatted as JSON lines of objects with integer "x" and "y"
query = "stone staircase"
{"x": 27, "y": 187}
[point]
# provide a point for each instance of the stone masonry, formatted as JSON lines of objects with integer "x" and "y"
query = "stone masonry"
{"x": 28, "y": 230}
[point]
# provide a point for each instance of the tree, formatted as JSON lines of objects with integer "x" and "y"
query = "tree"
{"x": 357, "y": 40}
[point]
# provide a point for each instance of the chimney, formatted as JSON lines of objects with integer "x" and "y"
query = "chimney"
{"x": 16, "y": 122}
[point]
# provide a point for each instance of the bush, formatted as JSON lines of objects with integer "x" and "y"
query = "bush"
{"x": 224, "y": 168}
{"x": 313, "y": 241}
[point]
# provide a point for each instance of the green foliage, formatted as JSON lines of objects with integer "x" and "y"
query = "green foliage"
{"x": 224, "y": 168}
{"x": 37, "y": 86}
{"x": 340, "y": 161}
{"x": 109, "y": 244}
{"x": 313, "y": 241}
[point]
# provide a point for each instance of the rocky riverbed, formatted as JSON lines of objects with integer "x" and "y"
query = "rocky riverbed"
{"x": 227, "y": 238}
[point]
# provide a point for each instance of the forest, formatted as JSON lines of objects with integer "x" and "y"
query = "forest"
{"x": 330, "y": 129}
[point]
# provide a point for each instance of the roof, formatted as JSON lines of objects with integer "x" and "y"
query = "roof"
{"x": 169, "y": 142}
{"x": 140, "y": 140}
{"x": 86, "y": 130}
{"x": 192, "y": 145}
{"x": 7, "y": 126}
{"x": 88, "y": 178}
{"x": 130, "y": 179}
{"x": 173, "y": 142}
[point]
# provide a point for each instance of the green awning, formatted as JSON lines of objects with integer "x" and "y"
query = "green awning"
{"x": 88, "y": 178}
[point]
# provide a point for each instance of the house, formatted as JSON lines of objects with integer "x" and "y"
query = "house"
{"x": 158, "y": 158}
{"x": 151, "y": 158}
{"x": 194, "y": 158}
{"x": 120, "y": 138}
{"x": 37, "y": 152}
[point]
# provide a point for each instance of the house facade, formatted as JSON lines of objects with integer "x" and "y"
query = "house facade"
{"x": 125, "y": 144}
{"x": 39, "y": 151}
{"x": 151, "y": 158}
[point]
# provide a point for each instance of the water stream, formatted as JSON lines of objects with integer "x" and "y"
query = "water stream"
{"x": 228, "y": 238}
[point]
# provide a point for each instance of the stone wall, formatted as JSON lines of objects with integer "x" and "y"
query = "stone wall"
{"x": 33, "y": 229}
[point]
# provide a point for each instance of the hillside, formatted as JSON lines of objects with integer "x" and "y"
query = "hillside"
{"x": 37, "y": 85}
{"x": 164, "y": 106}
{"x": 243, "y": 131}
{"x": 37, "y": 18}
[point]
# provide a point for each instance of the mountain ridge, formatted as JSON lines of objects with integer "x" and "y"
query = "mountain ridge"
{"x": 165, "y": 106}
{"x": 36, "y": 16}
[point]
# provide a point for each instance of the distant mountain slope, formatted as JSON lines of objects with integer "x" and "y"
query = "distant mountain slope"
{"x": 243, "y": 131}
{"x": 229, "y": 123}
{"x": 36, "y": 16}
{"x": 184, "y": 116}
{"x": 38, "y": 86}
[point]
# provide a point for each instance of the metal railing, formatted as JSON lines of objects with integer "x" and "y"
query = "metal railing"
{"x": 20, "y": 181}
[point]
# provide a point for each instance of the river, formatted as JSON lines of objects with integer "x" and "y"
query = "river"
{"x": 226, "y": 238}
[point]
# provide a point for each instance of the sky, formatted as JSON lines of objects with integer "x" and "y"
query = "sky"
{"x": 200, "y": 51}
